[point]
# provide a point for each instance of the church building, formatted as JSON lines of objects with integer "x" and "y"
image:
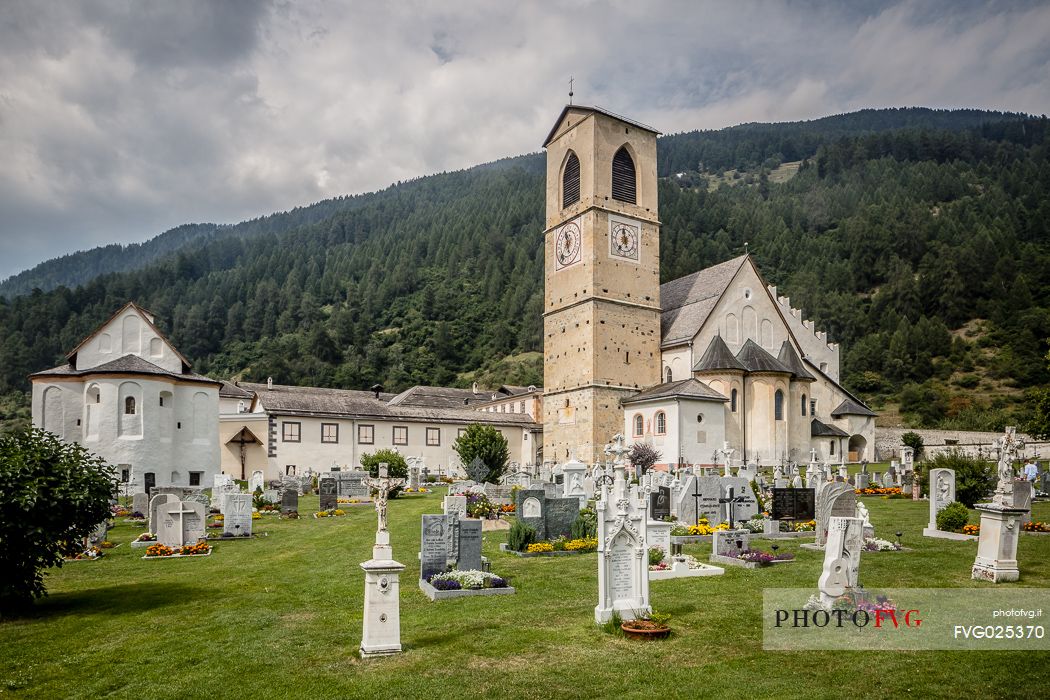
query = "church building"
{"x": 127, "y": 395}
{"x": 712, "y": 360}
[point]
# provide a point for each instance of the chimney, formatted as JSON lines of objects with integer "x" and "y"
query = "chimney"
{"x": 377, "y": 388}
{"x": 269, "y": 383}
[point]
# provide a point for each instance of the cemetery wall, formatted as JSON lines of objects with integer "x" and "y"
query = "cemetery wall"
{"x": 888, "y": 442}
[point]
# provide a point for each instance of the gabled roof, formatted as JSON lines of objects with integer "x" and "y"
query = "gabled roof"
{"x": 818, "y": 429}
{"x": 718, "y": 356}
{"x": 230, "y": 390}
{"x": 438, "y": 397}
{"x": 128, "y": 364}
{"x": 685, "y": 388}
{"x": 598, "y": 110}
{"x": 688, "y": 301}
{"x": 755, "y": 359}
{"x": 841, "y": 388}
{"x": 147, "y": 317}
{"x": 849, "y": 407}
{"x": 790, "y": 359}
{"x": 346, "y": 403}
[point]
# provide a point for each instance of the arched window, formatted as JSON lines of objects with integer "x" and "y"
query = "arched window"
{"x": 624, "y": 187}
{"x": 639, "y": 425}
{"x": 778, "y": 405}
{"x": 732, "y": 401}
{"x": 570, "y": 181}
{"x": 129, "y": 406}
{"x": 668, "y": 375}
{"x": 661, "y": 423}
{"x": 804, "y": 404}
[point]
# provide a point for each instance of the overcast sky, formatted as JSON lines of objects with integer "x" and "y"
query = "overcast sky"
{"x": 121, "y": 119}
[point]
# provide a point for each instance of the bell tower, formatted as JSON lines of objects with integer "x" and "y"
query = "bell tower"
{"x": 601, "y": 320}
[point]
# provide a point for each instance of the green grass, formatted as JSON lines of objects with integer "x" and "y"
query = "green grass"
{"x": 280, "y": 617}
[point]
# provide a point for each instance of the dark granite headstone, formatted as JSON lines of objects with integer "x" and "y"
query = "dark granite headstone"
{"x": 469, "y": 558}
{"x": 290, "y": 501}
{"x": 433, "y": 545}
{"x": 794, "y": 504}
{"x": 327, "y": 488}
{"x": 530, "y": 509}
{"x": 559, "y": 515}
{"x": 660, "y": 504}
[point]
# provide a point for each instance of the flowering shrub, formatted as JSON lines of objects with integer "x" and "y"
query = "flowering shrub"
{"x": 702, "y": 528}
{"x": 656, "y": 555}
{"x": 479, "y": 506}
{"x": 878, "y": 491}
{"x": 587, "y": 544}
{"x": 755, "y": 524}
{"x": 808, "y": 526}
{"x": 473, "y": 580}
{"x": 540, "y": 547}
{"x": 159, "y": 550}
{"x": 1033, "y": 526}
{"x": 120, "y": 511}
{"x": 662, "y": 566}
{"x": 874, "y": 544}
{"x": 976, "y": 529}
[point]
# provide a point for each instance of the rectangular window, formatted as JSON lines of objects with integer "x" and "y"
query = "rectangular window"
{"x": 460, "y": 432}
{"x": 329, "y": 432}
{"x": 290, "y": 431}
{"x": 832, "y": 448}
{"x": 195, "y": 478}
{"x": 125, "y": 475}
{"x": 522, "y": 405}
{"x": 400, "y": 434}
{"x": 161, "y": 400}
{"x": 366, "y": 434}
{"x": 812, "y": 407}
{"x": 433, "y": 437}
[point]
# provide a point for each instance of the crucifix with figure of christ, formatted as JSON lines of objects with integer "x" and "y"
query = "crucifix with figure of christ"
{"x": 383, "y": 486}
{"x": 731, "y": 502}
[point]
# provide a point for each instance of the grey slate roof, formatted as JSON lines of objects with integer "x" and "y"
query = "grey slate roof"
{"x": 600, "y": 110}
{"x": 718, "y": 356}
{"x": 818, "y": 429}
{"x": 346, "y": 403}
{"x": 849, "y": 407}
{"x": 758, "y": 360}
{"x": 438, "y": 397}
{"x": 688, "y": 301}
{"x": 229, "y": 390}
{"x": 128, "y": 364}
{"x": 685, "y": 388}
{"x": 790, "y": 359}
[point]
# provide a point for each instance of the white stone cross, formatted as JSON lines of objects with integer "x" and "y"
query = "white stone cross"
{"x": 383, "y": 486}
{"x": 813, "y": 455}
{"x": 617, "y": 449}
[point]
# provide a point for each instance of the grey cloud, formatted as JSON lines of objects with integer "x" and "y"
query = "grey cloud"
{"x": 121, "y": 119}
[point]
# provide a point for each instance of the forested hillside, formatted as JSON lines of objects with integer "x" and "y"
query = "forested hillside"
{"x": 917, "y": 238}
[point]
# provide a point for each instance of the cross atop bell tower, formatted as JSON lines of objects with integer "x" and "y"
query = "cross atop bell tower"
{"x": 602, "y": 277}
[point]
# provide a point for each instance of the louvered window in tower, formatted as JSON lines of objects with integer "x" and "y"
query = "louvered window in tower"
{"x": 623, "y": 180}
{"x": 570, "y": 181}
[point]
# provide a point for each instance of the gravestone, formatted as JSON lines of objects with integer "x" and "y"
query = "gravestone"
{"x": 660, "y": 503}
{"x": 550, "y": 517}
{"x": 256, "y": 482}
{"x": 272, "y": 496}
{"x": 551, "y": 489}
{"x": 834, "y": 500}
{"x": 469, "y": 554}
{"x": 328, "y": 492}
{"x": 623, "y": 566}
{"x": 181, "y": 523}
{"x": 519, "y": 479}
{"x": 841, "y": 569}
{"x": 456, "y": 505}
{"x": 414, "y": 472}
{"x": 290, "y": 501}
{"x": 730, "y": 543}
{"x": 433, "y": 545}
{"x": 860, "y": 480}
{"x": 154, "y": 507}
{"x": 699, "y": 499}
{"x": 888, "y": 480}
{"x": 745, "y": 506}
{"x": 573, "y": 473}
{"x": 98, "y": 535}
{"x": 559, "y": 515}
{"x": 1022, "y": 498}
{"x": 237, "y": 519}
{"x": 477, "y": 470}
{"x": 942, "y": 492}
{"x": 659, "y": 535}
{"x": 351, "y": 484}
{"x": 140, "y": 504}
{"x": 794, "y": 504}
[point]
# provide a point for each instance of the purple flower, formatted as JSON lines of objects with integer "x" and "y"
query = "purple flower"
{"x": 445, "y": 585}
{"x": 497, "y": 582}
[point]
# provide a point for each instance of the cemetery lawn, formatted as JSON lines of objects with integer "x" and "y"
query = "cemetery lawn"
{"x": 280, "y": 617}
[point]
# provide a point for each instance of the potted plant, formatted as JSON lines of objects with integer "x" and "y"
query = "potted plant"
{"x": 651, "y": 625}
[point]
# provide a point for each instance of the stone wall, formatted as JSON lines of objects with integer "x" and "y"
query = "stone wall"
{"x": 888, "y": 442}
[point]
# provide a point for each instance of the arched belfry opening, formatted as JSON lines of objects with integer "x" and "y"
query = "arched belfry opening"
{"x": 570, "y": 181}
{"x": 624, "y": 181}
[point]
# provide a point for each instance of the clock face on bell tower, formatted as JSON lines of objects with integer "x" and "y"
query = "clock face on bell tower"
{"x": 601, "y": 323}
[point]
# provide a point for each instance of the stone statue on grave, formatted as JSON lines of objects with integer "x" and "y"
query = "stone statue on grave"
{"x": 778, "y": 472}
{"x": 383, "y": 486}
{"x": 1008, "y": 446}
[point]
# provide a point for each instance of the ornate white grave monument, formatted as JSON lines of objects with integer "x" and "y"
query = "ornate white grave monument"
{"x": 623, "y": 558}
{"x": 1000, "y": 521}
{"x": 381, "y": 629}
{"x": 841, "y": 559}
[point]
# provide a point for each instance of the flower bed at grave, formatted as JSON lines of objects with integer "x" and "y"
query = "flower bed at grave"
{"x": 971, "y": 529}
{"x": 290, "y": 515}
{"x": 1031, "y": 526}
{"x": 158, "y": 551}
{"x": 331, "y": 513}
{"x": 757, "y": 556}
{"x": 702, "y": 527}
{"x": 418, "y": 490}
{"x": 855, "y": 600}
{"x": 689, "y": 559}
{"x": 878, "y": 491}
{"x": 468, "y": 580}
{"x": 563, "y": 544}
{"x": 352, "y": 500}
{"x": 537, "y": 547}
{"x": 106, "y": 544}
{"x": 256, "y": 515}
{"x": 215, "y": 525}
{"x": 121, "y": 511}
{"x": 479, "y": 506}
{"x": 268, "y": 509}
{"x": 874, "y": 544}
{"x": 808, "y": 526}
{"x": 508, "y": 508}
{"x": 90, "y": 553}
{"x": 146, "y": 537}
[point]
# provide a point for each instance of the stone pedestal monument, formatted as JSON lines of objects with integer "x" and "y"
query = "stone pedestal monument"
{"x": 841, "y": 559}
{"x": 1000, "y": 521}
{"x": 623, "y": 556}
{"x": 381, "y": 630}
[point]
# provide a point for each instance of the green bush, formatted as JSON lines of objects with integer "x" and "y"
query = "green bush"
{"x": 953, "y": 517}
{"x": 397, "y": 467}
{"x": 487, "y": 444}
{"x": 656, "y": 555}
{"x": 585, "y": 525}
{"x": 974, "y": 478}
{"x": 914, "y": 441}
{"x": 520, "y": 536}
{"x": 52, "y": 495}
